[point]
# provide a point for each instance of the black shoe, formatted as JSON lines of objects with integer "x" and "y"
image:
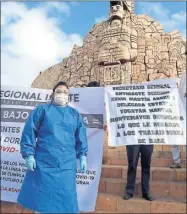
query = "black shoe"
{"x": 148, "y": 197}
{"x": 127, "y": 196}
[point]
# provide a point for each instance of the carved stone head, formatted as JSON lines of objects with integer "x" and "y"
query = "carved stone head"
{"x": 118, "y": 9}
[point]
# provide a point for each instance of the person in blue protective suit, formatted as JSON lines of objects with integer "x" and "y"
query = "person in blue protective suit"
{"x": 53, "y": 137}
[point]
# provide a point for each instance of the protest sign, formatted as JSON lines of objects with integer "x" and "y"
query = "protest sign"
{"x": 147, "y": 113}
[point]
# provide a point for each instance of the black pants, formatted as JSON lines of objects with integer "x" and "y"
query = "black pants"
{"x": 133, "y": 152}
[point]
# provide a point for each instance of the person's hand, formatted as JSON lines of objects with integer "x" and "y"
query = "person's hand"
{"x": 30, "y": 163}
{"x": 105, "y": 128}
{"x": 83, "y": 164}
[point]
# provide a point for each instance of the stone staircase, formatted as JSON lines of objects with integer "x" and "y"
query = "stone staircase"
{"x": 168, "y": 186}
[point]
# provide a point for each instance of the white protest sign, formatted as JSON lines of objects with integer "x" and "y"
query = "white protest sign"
{"x": 16, "y": 104}
{"x": 147, "y": 113}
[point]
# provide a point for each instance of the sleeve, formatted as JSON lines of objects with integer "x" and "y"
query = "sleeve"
{"x": 81, "y": 138}
{"x": 29, "y": 134}
{"x": 182, "y": 89}
{"x": 182, "y": 85}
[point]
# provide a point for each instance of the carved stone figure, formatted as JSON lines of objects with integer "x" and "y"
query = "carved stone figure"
{"x": 117, "y": 45}
{"x": 126, "y": 48}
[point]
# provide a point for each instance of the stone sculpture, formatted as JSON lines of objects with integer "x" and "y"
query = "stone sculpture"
{"x": 126, "y": 48}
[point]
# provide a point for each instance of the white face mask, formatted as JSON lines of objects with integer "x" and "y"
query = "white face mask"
{"x": 61, "y": 99}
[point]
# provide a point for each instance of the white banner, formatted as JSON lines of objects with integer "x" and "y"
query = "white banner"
{"x": 147, "y": 113}
{"x": 16, "y": 104}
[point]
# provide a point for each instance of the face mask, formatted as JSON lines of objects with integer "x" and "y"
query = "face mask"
{"x": 61, "y": 99}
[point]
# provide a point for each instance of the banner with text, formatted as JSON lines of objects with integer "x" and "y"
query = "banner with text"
{"x": 16, "y": 104}
{"x": 147, "y": 113}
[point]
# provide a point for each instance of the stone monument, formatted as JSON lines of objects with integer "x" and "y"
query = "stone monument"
{"x": 126, "y": 48}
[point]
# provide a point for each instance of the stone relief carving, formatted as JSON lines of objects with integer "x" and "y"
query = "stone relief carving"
{"x": 126, "y": 48}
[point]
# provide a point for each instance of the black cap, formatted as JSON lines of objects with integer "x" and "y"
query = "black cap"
{"x": 60, "y": 83}
{"x": 93, "y": 84}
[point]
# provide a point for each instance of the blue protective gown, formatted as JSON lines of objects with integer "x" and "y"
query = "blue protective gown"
{"x": 56, "y": 136}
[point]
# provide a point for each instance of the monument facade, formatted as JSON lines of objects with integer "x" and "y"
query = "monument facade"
{"x": 126, "y": 48}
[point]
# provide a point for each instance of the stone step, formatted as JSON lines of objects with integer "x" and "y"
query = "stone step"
{"x": 159, "y": 158}
{"x": 107, "y": 203}
{"x": 157, "y": 188}
{"x": 156, "y": 147}
{"x": 8, "y": 207}
{"x": 121, "y": 153}
{"x": 157, "y": 173}
{"x": 155, "y": 162}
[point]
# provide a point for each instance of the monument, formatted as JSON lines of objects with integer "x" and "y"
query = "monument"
{"x": 126, "y": 48}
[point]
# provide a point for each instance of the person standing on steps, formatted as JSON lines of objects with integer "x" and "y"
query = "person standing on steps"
{"x": 53, "y": 138}
{"x": 176, "y": 148}
{"x": 133, "y": 153}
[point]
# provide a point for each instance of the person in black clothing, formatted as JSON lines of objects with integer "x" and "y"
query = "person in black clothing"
{"x": 93, "y": 84}
{"x": 133, "y": 153}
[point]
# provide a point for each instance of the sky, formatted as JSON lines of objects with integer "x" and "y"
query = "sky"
{"x": 37, "y": 35}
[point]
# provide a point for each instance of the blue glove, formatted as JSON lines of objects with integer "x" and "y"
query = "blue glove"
{"x": 30, "y": 163}
{"x": 83, "y": 164}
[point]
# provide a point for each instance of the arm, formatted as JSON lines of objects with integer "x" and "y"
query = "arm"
{"x": 81, "y": 138}
{"x": 30, "y": 131}
{"x": 105, "y": 120}
{"x": 182, "y": 89}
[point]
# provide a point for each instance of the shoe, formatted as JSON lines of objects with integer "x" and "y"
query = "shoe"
{"x": 148, "y": 197}
{"x": 175, "y": 166}
{"x": 127, "y": 196}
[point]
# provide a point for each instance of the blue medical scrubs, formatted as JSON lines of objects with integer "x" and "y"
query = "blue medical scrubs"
{"x": 56, "y": 136}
